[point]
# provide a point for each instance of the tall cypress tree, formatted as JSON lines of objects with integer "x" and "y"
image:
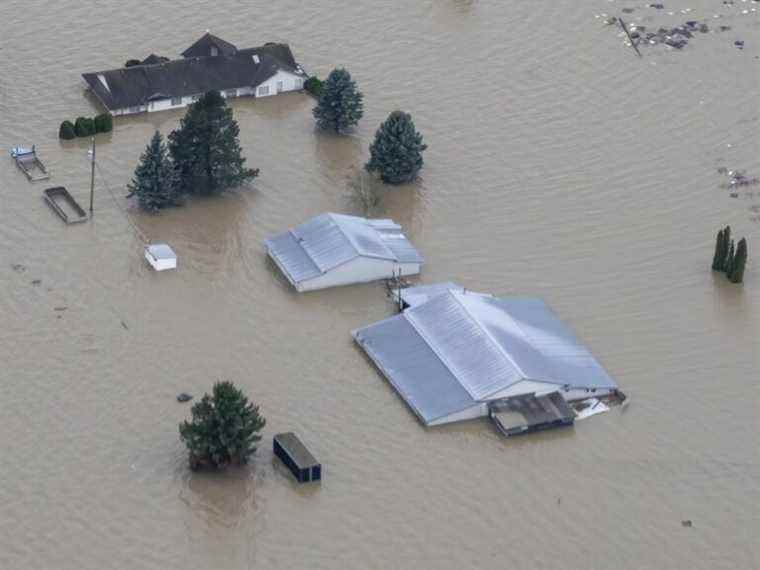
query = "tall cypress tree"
{"x": 206, "y": 149}
{"x": 340, "y": 103}
{"x": 155, "y": 181}
{"x": 729, "y": 266}
{"x": 396, "y": 153}
{"x": 725, "y": 248}
{"x": 717, "y": 264}
{"x": 740, "y": 259}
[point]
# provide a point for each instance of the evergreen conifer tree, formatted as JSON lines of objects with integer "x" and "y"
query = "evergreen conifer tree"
{"x": 340, "y": 102}
{"x": 725, "y": 247}
{"x": 729, "y": 266}
{"x": 155, "y": 182}
{"x": 717, "y": 263}
{"x": 224, "y": 428}
{"x": 206, "y": 149}
{"x": 740, "y": 259}
{"x": 67, "y": 131}
{"x": 396, "y": 153}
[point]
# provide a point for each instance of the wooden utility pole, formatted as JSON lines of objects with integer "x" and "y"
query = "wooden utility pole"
{"x": 92, "y": 176}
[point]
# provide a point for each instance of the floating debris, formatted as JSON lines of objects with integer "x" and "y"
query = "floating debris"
{"x": 36, "y": 282}
{"x": 686, "y": 523}
{"x": 739, "y": 44}
{"x": 183, "y": 396}
{"x": 18, "y": 268}
{"x": 737, "y": 178}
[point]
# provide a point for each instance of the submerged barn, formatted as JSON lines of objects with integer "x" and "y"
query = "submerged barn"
{"x": 335, "y": 249}
{"x": 157, "y": 83}
{"x": 453, "y": 353}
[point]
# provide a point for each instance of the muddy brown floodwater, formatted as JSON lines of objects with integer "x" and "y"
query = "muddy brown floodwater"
{"x": 559, "y": 165}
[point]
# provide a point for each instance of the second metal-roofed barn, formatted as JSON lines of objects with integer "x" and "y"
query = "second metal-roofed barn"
{"x": 452, "y": 352}
{"x": 336, "y": 249}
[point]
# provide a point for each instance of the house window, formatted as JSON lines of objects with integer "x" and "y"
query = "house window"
{"x": 297, "y": 83}
{"x": 263, "y": 90}
{"x": 214, "y": 51}
{"x": 230, "y": 93}
{"x": 176, "y": 101}
{"x": 280, "y": 86}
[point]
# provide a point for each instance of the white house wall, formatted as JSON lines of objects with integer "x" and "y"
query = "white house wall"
{"x": 359, "y": 270}
{"x": 290, "y": 82}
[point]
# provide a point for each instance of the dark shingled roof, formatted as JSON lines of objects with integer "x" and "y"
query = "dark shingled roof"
{"x": 154, "y": 59}
{"x": 135, "y": 86}
{"x": 202, "y": 47}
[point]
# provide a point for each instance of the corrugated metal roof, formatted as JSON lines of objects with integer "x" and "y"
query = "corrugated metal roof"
{"x": 464, "y": 346}
{"x": 330, "y": 240}
{"x": 413, "y": 296}
{"x": 363, "y": 236}
{"x": 459, "y": 341}
{"x": 292, "y": 258}
{"x": 324, "y": 242}
{"x": 545, "y": 348}
{"x": 414, "y": 370}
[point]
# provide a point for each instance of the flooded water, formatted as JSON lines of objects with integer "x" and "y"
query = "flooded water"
{"x": 559, "y": 165}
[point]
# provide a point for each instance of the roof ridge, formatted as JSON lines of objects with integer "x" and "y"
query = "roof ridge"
{"x": 406, "y": 314}
{"x": 299, "y": 241}
{"x": 499, "y": 349}
{"x": 359, "y": 253}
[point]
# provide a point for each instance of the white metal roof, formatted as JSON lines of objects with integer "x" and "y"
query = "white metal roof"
{"x": 330, "y": 240}
{"x": 161, "y": 251}
{"x": 459, "y": 348}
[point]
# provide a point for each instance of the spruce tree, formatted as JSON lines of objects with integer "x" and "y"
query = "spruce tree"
{"x": 224, "y": 428}
{"x": 340, "y": 102}
{"x": 740, "y": 259}
{"x": 396, "y": 153}
{"x": 206, "y": 148}
{"x": 155, "y": 182}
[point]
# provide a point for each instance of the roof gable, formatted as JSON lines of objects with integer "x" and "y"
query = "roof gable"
{"x": 210, "y": 46}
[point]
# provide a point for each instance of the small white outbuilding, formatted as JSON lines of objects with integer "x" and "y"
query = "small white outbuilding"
{"x": 161, "y": 256}
{"x": 336, "y": 249}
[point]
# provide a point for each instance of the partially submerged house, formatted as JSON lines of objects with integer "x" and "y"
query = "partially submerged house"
{"x": 211, "y": 63}
{"x": 336, "y": 249}
{"x": 452, "y": 353}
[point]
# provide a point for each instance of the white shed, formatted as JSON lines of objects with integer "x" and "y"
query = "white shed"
{"x": 336, "y": 249}
{"x": 161, "y": 256}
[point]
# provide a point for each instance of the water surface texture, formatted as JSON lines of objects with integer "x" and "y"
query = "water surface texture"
{"x": 560, "y": 165}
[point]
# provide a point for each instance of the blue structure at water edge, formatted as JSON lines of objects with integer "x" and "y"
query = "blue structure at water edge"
{"x": 297, "y": 458}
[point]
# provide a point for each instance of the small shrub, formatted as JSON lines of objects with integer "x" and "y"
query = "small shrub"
{"x": 84, "y": 127}
{"x": 313, "y": 86}
{"x": 104, "y": 123}
{"x": 66, "y": 131}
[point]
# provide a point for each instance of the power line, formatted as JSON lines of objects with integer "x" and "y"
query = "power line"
{"x": 137, "y": 230}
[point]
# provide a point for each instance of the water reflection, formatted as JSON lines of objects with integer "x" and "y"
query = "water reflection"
{"x": 221, "y": 499}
